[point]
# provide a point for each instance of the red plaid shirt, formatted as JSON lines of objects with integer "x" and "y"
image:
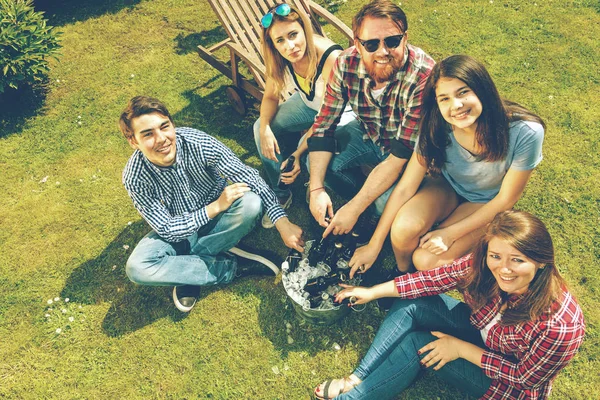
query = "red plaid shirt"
{"x": 393, "y": 122}
{"x": 522, "y": 360}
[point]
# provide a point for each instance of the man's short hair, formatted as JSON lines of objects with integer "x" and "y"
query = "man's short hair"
{"x": 137, "y": 106}
{"x": 380, "y": 9}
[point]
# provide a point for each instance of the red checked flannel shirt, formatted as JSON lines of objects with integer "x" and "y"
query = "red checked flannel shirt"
{"x": 522, "y": 360}
{"x": 392, "y": 123}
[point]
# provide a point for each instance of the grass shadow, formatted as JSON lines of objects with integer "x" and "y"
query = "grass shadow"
{"x": 103, "y": 279}
{"x": 63, "y": 12}
{"x": 185, "y": 44}
{"x": 18, "y": 106}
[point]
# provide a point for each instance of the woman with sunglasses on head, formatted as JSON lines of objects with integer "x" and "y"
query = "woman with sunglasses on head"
{"x": 518, "y": 327}
{"x": 297, "y": 60}
{"x": 473, "y": 159}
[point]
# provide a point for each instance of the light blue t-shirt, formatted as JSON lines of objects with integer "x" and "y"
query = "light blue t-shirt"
{"x": 479, "y": 181}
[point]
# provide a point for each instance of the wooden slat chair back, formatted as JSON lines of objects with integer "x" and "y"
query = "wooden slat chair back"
{"x": 241, "y": 21}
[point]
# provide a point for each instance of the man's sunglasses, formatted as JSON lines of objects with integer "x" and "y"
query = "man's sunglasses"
{"x": 282, "y": 10}
{"x": 391, "y": 42}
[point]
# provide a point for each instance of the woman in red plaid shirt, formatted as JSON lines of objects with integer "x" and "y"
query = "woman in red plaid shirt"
{"x": 518, "y": 327}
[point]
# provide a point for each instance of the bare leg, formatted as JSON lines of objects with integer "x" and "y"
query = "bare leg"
{"x": 424, "y": 260}
{"x": 434, "y": 201}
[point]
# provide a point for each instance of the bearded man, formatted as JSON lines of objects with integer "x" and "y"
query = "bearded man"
{"x": 382, "y": 78}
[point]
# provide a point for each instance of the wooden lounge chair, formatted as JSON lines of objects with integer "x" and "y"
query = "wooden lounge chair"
{"x": 241, "y": 20}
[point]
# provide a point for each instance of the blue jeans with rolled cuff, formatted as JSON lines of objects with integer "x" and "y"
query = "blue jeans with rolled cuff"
{"x": 392, "y": 363}
{"x": 156, "y": 262}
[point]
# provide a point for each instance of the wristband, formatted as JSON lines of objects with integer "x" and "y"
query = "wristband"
{"x": 319, "y": 188}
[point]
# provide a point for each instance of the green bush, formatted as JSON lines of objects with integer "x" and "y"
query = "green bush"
{"x": 26, "y": 43}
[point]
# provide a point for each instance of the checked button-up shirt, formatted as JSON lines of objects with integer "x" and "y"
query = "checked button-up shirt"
{"x": 522, "y": 360}
{"x": 392, "y": 122}
{"x": 173, "y": 199}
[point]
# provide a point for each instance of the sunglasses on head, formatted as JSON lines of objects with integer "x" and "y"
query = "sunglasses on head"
{"x": 282, "y": 10}
{"x": 372, "y": 45}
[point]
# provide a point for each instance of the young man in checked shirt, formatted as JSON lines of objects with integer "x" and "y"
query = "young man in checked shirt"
{"x": 179, "y": 180}
{"x": 382, "y": 78}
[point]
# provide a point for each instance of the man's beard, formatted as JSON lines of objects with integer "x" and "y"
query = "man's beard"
{"x": 379, "y": 74}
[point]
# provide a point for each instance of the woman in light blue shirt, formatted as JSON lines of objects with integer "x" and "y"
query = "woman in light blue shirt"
{"x": 473, "y": 160}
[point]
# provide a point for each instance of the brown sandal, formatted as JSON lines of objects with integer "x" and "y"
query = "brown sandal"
{"x": 348, "y": 384}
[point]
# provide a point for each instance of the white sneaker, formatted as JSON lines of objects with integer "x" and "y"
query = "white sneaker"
{"x": 266, "y": 221}
{"x": 254, "y": 257}
{"x": 185, "y": 297}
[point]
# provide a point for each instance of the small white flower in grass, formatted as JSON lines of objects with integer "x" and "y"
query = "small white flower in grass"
{"x": 129, "y": 223}
{"x": 275, "y": 369}
{"x": 491, "y": 1}
{"x": 286, "y": 367}
{"x": 64, "y": 311}
{"x": 78, "y": 122}
{"x": 114, "y": 267}
{"x": 420, "y": 20}
{"x": 79, "y": 307}
{"x": 126, "y": 246}
{"x": 57, "y": 183}
{"x": 49, "y": 301}
{"x": 44, "y": 179}
{"x": 66, "y": 300}
{"x": 71, "y": 319}
{"x": 58, "y": 81}
{"x": 47, "y": 315}
{"x": 336, "y": 347}
{"x": 58, "y": 331}
{"x": 132, "y": 76}
{"x": 551, "y": 97}
{"x": 434, "y": 11}
{"x": 57, "y": 299}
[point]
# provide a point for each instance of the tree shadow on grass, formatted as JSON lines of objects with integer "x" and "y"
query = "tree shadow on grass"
{"x": 63, "y": 12}
{"x": 17, "y": 106}
{"x": 103, "y": 279}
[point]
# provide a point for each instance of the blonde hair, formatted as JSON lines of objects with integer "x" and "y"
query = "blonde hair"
{"x": 275, "y": 63}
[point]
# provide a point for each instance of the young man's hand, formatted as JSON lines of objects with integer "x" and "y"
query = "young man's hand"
{"x": 291, "y": 234}
{"x": 321, "y": 206}
{"x": 230, "y": 194}
{"x": 343, "y": 221}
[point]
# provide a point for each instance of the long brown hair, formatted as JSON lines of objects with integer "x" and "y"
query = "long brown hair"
{"x": 526, "y": 233}
{"x": 492, "y": 125}
{"x": 275, "y": 63}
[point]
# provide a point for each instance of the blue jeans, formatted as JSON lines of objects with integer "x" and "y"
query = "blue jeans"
{"x": 343, "y": 176}
{"x": 155, "y": 261}
{"x": 392, "y": 363}
{"x": 292, "y": 117}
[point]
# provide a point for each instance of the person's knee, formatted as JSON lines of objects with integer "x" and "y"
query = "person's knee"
{"x": 256, "y": 129}
{"x": 406, "y": 229}
{"x": 135, "y": 271}
{"x": 424, "y": 260}
{"x": 251, "y": 205}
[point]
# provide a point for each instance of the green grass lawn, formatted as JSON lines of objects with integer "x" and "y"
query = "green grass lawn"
{"x": 68, "y": 225}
